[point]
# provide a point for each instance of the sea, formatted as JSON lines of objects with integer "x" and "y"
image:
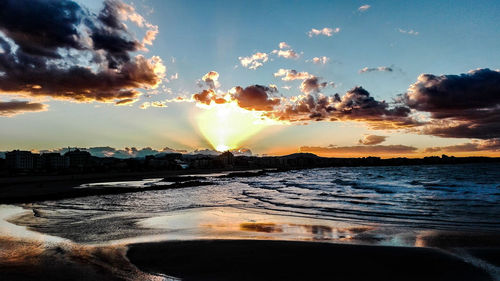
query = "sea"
{"x": 400, "y": 206}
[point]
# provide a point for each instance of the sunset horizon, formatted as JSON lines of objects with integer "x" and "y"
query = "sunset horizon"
{"x": 249, "y": 140}
{"x": 266, "y": 95}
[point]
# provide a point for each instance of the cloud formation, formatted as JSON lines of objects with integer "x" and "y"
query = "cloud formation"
{"x": 355, "y": 105}
{"x": 319, "y": 60}
{"x": 127, "y": 152}
{"x": 125, "y": 102}
{"x": 475, "y": 145}
{"x": 284, "y": 45}
{"x": 255, "y": 61}
{"x": 380, "y": 69}
{"x": 460, "y": 106}
{"x": 372, "y": 139}
{"x": 146, "y": 105}
{"x": 285, "y": 51}
{"x": 410, "y": 32}
{"x": 76, "y": 55}
{"x": 312, "y": 85}
{"x": 359, "y": 150}
{"x": 255, "y": 97}
{"x": 287, "y": 54}
{"x": 291, "y": 74}
{"x": 14, "y": 107}
{"x": 326, "y": 31}
{"x": 211, "y": 79}
{"x": 364, "y": 8}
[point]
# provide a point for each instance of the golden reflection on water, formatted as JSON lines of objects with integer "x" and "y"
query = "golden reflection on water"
{"x": 234, "y": 223}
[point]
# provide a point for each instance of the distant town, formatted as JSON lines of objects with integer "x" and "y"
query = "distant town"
{"x": 77, "y": 161}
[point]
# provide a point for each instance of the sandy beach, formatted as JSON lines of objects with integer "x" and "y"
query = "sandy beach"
{"x": 231, "y": 260}
{"x": 285, "y": 260}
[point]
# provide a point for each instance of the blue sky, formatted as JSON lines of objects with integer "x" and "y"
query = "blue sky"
{"x": 195, "y": 37}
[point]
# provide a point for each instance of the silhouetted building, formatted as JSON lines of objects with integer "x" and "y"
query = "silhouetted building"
{"x": 20, "y": 160}
{"x": 55, "y": 161}
{"x": 78, "y": 158}
{"x": 227, "y": 159}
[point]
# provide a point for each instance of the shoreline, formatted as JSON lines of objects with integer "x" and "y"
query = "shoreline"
{"x": 41, "y": 188}
{"x": 33, "y": 256}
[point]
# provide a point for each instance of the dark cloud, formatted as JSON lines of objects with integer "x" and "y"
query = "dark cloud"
{"x": 312, "y": 85}
{"x": 372, "y": 139}
{"x": 25, "y": 22}
{"x": 255, "y": 97}
{"x": 13, "y": 107}
{"x": 61, "y": 50}
{"x": 207, "y": 97}
{"x": 204, "y": 96}
{"x": 365, "y": 150}
{"x": 355, "y": 105}
{"x": 461, "y": 106}
{"x": 125, "y": 101}
{"x": 379, "y": 69}
{"x": 476, "y": 145}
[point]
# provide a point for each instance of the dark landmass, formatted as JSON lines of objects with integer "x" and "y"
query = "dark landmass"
{"x": 64, "y": 190}
{"x": 247, "y": 174}
{"x": 281, "y": 260}
{"x": 20, "y": 164}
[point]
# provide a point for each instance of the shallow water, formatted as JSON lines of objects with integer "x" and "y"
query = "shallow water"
{"x": 383, "y": 205}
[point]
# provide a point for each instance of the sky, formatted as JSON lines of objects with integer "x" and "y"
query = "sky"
{"x": 335, "y": 78}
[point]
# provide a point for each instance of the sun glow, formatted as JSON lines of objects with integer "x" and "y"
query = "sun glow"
{"x": 227, "y": 126}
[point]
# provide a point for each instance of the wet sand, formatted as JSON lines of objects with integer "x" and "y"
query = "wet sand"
{"x": 30, "y": 255}
{"x": 37, "y": 260}
{"x": 285, "y": 260}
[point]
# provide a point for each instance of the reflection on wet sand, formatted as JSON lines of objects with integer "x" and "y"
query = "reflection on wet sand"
{"x": 27, "y": 255}
{"x": 260, "y": 227}
{"x": 315, "y": 232}
{"x": 35, "y": 260}
{"x": 36, "y": 256}
{"x": 234, "y": 223}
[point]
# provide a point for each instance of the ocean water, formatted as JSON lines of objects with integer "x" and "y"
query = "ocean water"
{"x": 352, "y": 204}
